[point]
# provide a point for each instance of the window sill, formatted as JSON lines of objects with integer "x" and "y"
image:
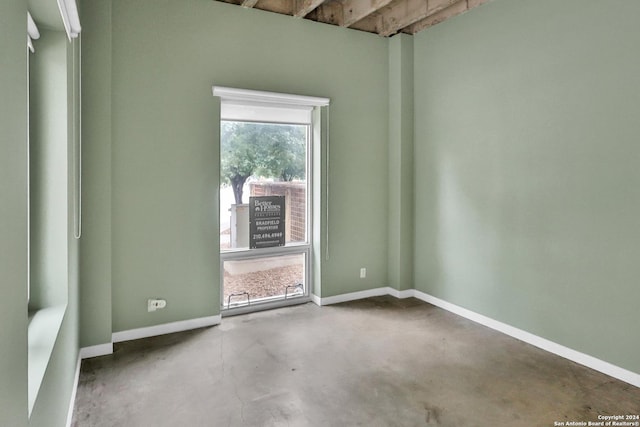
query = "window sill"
{"x": 44, "y": 325}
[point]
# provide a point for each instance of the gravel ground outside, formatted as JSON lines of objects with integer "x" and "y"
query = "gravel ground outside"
{"x": 262, "y": 284}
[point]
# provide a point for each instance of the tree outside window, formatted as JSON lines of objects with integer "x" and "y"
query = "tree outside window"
{"x": 275, "y": 151}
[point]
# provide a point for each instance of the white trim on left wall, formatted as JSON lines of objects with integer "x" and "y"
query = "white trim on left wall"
{"x": 166, "y": 328}
{"x": 151, "y": 331}
{"x": 72, "y": 400}
{"x": 96, "y": 350}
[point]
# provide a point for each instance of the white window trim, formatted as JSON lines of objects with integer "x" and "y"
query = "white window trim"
{"x": 259, "y": 106}
{"x": 247, "y": 96}
{"x": 273, "y": 107}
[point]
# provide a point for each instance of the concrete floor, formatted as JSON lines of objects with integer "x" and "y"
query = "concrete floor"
{"x": 374, "y": 362}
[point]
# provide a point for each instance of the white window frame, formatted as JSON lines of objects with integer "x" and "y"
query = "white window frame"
{"x": 272, "y": 107}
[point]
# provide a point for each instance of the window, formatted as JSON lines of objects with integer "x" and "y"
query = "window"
{"x": 52, "y": 138}
{"x": 266, "y": 148}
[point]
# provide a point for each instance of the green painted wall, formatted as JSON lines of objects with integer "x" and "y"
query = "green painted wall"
{"x": 527, "y": 178}
{"x": 95, "y": 245}
{"x": 161, "y": 188}
{"x": 400, "y": 162}
{"x": 13, "y": 214}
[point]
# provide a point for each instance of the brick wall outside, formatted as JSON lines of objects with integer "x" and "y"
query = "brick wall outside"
{"x": 295, "y": 205}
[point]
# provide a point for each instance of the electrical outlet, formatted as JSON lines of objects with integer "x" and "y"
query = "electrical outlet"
{"x": 156, "y": 304}
{"x": 363, "y": 273}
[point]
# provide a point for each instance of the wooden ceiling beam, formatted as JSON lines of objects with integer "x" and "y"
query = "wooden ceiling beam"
{"x": 284, "y": 7}
{"x": 449, "y": 12}
{"x": 383, "y": 17}
{"x": 402, "y": 14}
{"x": 249, "y": 3}
{"x": 303, "y": 7}
{"x": 356, "y": 10}
{"x": 372, "y": 23}
{"x": 329, "y": 12}
{"x": 436, "y": 18}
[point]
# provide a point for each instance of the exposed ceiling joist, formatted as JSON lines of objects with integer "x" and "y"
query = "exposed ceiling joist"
{"x": 383, "y": 17}
{"x": 402, "y": 14}
{"x": 248, "y": 3}
{"x": 355, "y": 10}
{"x": 444, "y": 14}
{"x": 330, "y": 12}
{"x": 304, "y": 7}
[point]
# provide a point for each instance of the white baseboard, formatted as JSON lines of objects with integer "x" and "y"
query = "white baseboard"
{"x": 107, "y": 348}
{"x": 543, "y": 343}
{"x": 407, "y": 293}
{"x": 352, "y": 296}
{"x": 74, "y": 390}
{"x": 166, "y": 328}
{"x": 96, "y": 350}
{"x": 316, "y": 299}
